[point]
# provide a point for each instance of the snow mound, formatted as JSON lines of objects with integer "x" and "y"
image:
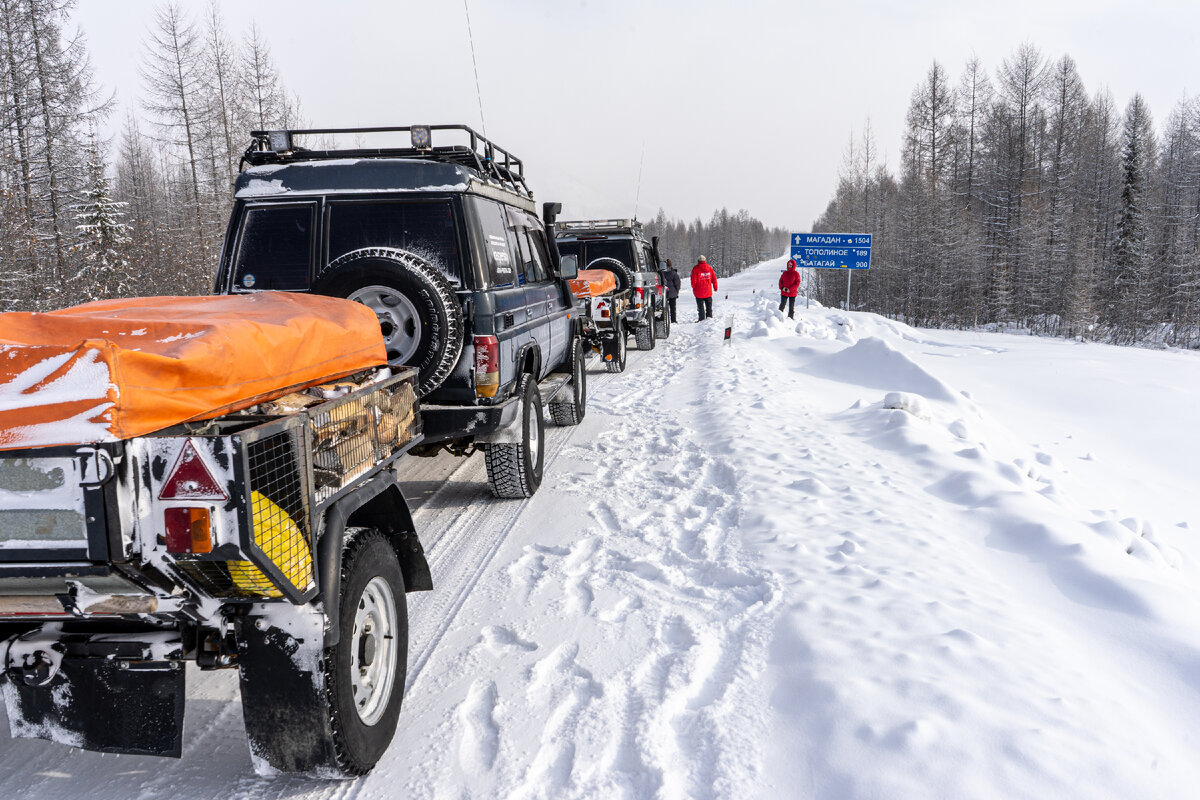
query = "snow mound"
{"x": 874, "y": 363}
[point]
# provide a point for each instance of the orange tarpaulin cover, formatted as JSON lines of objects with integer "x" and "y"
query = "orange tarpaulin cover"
{"x": 115, "y": 369}
{"x": 593, "y": 283}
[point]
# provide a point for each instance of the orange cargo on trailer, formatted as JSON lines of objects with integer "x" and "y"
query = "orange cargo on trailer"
{"x": 115, "y": 369}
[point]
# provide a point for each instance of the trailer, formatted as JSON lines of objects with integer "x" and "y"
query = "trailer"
{"x": 273, "y": 539}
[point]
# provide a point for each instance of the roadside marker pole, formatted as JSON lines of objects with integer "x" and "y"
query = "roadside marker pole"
{"x": 848, "y": 274}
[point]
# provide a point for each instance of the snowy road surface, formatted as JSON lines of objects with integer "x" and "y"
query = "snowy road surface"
{"x": 836, "y": 558}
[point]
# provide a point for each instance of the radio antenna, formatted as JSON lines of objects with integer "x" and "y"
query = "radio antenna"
{"x": 475, "y": 64}
{"x": 637, "y": 198}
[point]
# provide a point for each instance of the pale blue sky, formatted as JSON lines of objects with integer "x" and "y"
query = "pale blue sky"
{"x": 743, "y": 104}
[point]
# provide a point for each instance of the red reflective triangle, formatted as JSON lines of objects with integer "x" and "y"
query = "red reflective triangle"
{"x": 190, "y": 479}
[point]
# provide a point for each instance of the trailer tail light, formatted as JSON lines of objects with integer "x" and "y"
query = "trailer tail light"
{"x": 602, "y": 309}
{"x": 189, "y": 530}
{"x": 638, "y": 293}
{"x": 487, "y": 366}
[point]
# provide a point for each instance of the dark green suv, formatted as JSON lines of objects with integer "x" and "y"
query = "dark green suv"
{"x": 444, "y": 244}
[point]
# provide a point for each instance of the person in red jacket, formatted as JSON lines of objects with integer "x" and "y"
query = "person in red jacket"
{"x": 704, "y": 283}
{"x": 789, "y": 286}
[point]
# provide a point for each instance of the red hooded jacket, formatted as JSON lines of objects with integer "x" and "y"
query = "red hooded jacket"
{"x": 789, "y": 281}
{"x": 704, "y": 280}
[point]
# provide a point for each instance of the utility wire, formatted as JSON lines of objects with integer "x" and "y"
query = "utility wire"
{"x": 475, "y": 64}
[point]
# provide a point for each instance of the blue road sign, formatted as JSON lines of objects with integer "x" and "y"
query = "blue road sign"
{"x": 832, "y": 250}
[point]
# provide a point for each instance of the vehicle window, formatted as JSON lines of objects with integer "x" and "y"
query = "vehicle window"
{"x": 541, "y": 256}
{"x": 620, "y": 249}
{"x": 571, "y": 249}
{"x": 426, "y": 229}
{"x": 275, "y": 247}
{"x": 498, "y": 253}
{"x": 520, "y": 244}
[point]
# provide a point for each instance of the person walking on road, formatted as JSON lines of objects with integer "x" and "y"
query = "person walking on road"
{"x": 671, "y": 279}
{"x": 789, "y": 287}
{"x": 704, "y": 283}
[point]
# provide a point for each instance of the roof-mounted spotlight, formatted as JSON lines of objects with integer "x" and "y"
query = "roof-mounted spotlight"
{"x": 280, "y": 141}
{"x": 421, "y": 138}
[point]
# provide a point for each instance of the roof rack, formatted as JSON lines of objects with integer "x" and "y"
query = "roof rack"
{"x": 480, "y": 154}
{"x": 598, "y": 225}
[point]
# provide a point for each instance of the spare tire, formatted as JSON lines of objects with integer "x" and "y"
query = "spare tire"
{"x": 419, "y": 316}
{"x": 624, "y": 275}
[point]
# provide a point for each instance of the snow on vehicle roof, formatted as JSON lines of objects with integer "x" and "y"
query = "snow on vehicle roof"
{"x": 348, "y": 175}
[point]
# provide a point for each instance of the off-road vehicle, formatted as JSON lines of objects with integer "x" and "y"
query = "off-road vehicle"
{"x": 443, "y": 243}
{"x": 620, "y": 245}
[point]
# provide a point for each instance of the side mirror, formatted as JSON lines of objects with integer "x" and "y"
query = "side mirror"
{"x": 568, "y": 266}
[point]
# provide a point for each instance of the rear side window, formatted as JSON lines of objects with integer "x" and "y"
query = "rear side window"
{"x": 425, "y": 229}
{"x": 498, "y": 254}
{"x": 275, "y": 247}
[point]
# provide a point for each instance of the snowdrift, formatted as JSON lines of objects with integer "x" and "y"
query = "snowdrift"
{"x": 116, "y": 369}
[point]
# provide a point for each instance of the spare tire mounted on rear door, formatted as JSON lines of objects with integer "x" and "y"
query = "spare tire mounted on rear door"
{"x": 419, "y": 316}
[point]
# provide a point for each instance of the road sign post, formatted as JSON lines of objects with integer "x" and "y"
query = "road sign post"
{"x": 848, "y": 251}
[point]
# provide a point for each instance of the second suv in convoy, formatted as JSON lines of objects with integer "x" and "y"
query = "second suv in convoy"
{"x": 620, "y": 246}
{"x": 444, "y": 245}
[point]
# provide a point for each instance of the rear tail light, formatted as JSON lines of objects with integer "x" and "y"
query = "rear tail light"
{"x": 189, "y": 530}
{"x": 637, "y": 293}
{"x": 487, "y": 366}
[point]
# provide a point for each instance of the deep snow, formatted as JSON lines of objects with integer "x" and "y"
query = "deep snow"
{"x": 837, "y": 557}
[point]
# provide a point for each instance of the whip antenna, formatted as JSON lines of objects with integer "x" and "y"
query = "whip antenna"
{"x": 475, "y": 64}
{"x": 641, "y": 163}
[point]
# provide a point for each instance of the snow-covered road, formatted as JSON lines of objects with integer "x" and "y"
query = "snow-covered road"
{"x": 834, "y": 558}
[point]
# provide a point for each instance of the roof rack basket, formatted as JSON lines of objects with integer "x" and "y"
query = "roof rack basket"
{"x": 479, "y": 154}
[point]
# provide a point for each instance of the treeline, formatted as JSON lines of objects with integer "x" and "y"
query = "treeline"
{"x": 68, "y": 231}
{"x": 730, "y": 242}
{"x": 1021, "y": 199}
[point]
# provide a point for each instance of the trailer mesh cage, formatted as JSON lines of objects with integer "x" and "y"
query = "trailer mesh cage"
{"x": 279, "y": 505}
{"x": 295, "y": 467}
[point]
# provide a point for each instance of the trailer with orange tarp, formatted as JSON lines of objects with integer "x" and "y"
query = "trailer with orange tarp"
{"x": 602, "y": 296}
{"x": 206, "y": 479}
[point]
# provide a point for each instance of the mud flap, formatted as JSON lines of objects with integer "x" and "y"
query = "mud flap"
{"x": 95, "y": 704}
{"x": 284, "y": 701}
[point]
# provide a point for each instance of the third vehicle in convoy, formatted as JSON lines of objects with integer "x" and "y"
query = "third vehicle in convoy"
{"x": 620, "y": 246}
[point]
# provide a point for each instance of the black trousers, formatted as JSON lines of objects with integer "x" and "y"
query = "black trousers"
{"x": 790, "y": 302}
{"x": 671, "y": 308}
{"x": 704, "y": 308}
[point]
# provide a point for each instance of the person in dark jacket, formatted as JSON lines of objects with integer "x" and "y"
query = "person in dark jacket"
{"x": 704, "y": 283}
{"x": 789, "y": 287}
{"x": 671, "y": 280}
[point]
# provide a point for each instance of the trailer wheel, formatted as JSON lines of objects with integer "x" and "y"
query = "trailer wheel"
{"x": 615, "y": 348}
{"x": 330, "y": 711}
{"x": 514, "y": 469}
{"x": 571, "y": 411}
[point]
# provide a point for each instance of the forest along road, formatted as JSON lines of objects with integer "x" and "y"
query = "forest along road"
{"x": 461, "y": 526}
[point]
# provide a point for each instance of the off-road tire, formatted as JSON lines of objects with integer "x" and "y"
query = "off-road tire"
{"x": 298, "y": 695}
{"x": 663, "y": 326}
{"x": 623, "y": 273}
{"x": 571, "y": 410}
{"x": 427, "y": 333}
{"x": 645, "y": 334}
{"x": 368, "y": 555}
{"x": 616, "y": 346}
{"x": 514, "y": 469}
